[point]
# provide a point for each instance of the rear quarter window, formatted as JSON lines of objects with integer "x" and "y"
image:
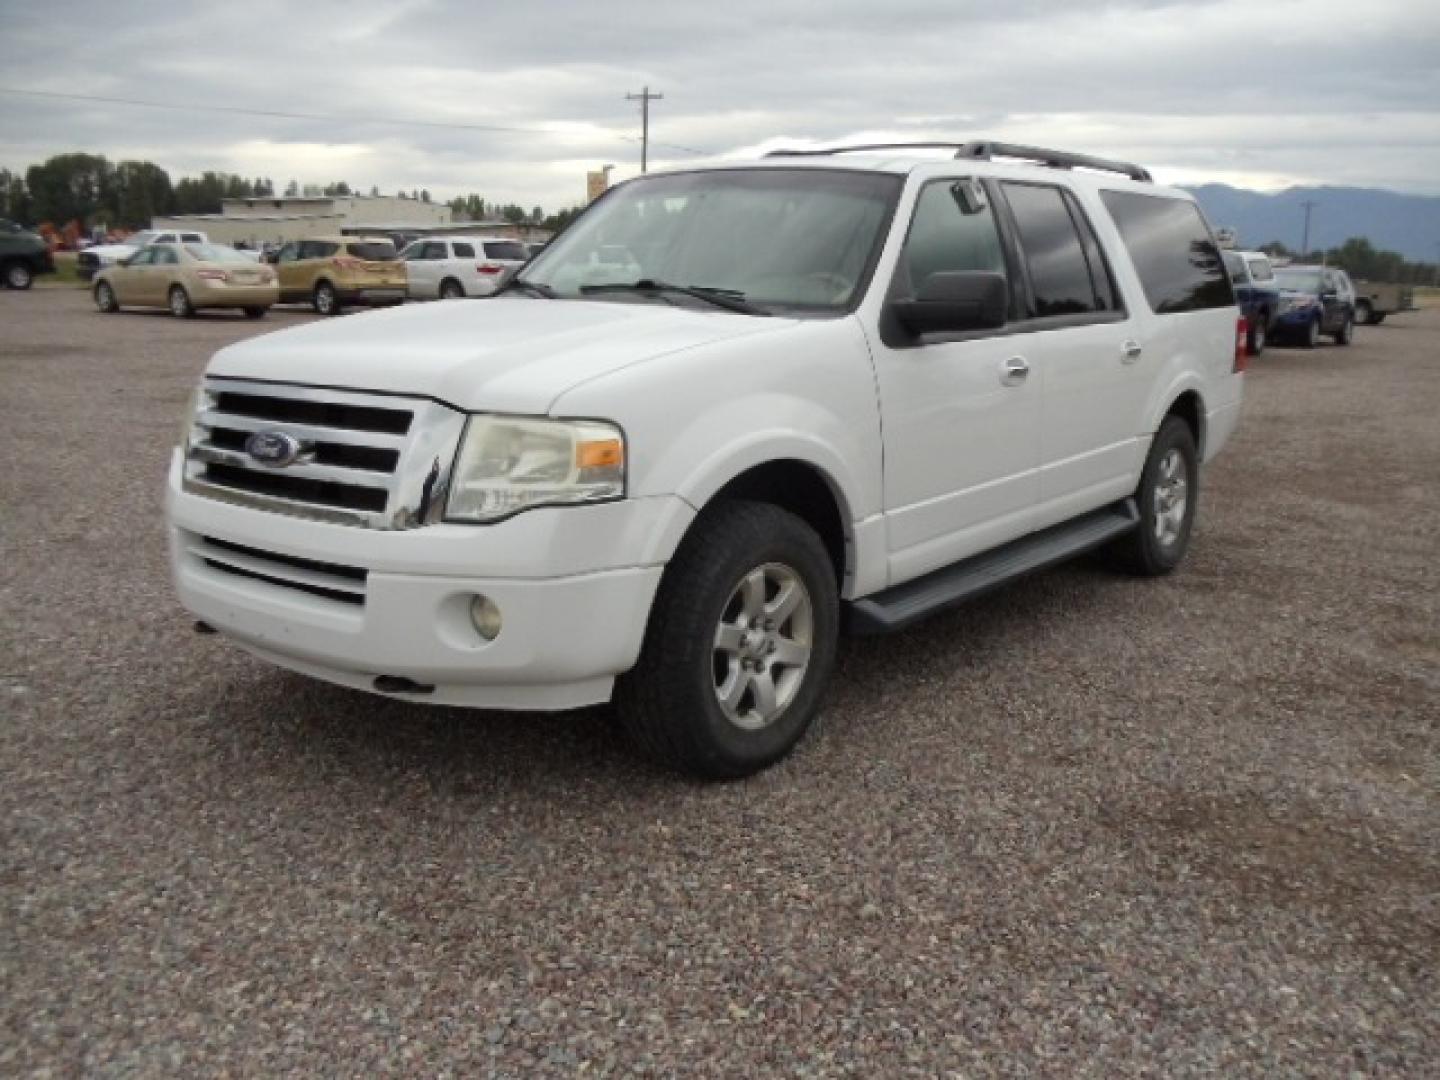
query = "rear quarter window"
{"x": 506, "y": 250}
{"x": 1179, "y": 265}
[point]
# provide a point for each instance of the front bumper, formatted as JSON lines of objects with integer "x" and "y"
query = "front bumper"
{"x": 1296, "y": 320}
{"x": 566, "y": 633}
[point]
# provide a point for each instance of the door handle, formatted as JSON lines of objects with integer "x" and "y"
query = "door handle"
{"x": 1130, "y": 352}
{"x": 1015, "y": 371}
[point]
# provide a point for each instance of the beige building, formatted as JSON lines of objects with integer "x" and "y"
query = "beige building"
{"x": 281, "y": 218}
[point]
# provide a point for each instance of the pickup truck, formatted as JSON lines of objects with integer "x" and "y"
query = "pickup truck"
{"x": 1374, "y": 300}
{"x": 1257, "y": 293}
{"x": 728, "y": 411}
{"x": 94, "y": 259}
{"x": 23, "y": 254}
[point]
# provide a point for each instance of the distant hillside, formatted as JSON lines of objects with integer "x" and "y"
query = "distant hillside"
{"x": 1409, "y": 224}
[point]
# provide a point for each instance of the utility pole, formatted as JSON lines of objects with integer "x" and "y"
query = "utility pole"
{"x": 644, "y": 97}
{"x": 1309, "y": 205}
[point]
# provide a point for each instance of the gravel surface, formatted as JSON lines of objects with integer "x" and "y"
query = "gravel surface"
{"x": 1088, "y": 825}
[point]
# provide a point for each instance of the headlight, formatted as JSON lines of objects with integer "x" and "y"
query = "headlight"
{"x": 200, "y": 400}
{"x": 506, "y": 465}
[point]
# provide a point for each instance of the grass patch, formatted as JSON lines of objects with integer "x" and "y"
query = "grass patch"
{"x": 66, "y": 276}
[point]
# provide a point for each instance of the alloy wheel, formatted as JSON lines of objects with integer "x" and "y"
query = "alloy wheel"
{"x": 762, "y": 646}
{"x": 1170, "y": 498}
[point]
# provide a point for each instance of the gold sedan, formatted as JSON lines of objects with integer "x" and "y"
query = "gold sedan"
{"x": 186, "y": 278}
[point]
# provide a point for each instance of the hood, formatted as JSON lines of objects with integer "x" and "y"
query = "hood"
{"x": 505, "y": 355}
{"x": 112, "y": 251}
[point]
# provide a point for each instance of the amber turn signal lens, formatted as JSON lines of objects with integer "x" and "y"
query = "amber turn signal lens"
{"x": 605, "y": 454}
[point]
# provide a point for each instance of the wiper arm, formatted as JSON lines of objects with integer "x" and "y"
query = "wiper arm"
{"x": 729, "y": 299}
{"x": 534, "y": 288}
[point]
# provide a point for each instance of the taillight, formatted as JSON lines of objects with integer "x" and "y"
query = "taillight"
{"x": 1242, "y": 344}
{"x": 213, "y": 275}
{"x": 489, "y": 268}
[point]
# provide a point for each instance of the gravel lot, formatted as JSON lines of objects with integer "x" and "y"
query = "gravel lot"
{"x": 1089, "y": 825}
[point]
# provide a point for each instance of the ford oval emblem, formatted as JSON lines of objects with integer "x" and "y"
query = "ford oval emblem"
{"x": 274, "y": 449}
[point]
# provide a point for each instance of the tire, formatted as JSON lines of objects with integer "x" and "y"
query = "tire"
{"x": 18, "y": 275}
{"x": 1346, "y": 333}
{"x": 1160, "y": 543}
{"x": 1310, "y": 336}
{"x": 1378, "y": 318}
{"x": 105, "y": 298}
{"x": 670, "y": 703}
{"x": 325, "y": 300}
{"x": 1364, "y": 313}
{"x": 1255, "y": 336}
{"x": 450, "y": 289}
{"x": 180, "y": 305}
{"x": 256, "y": 312}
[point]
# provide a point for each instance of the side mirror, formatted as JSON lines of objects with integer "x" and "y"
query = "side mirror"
{"x": 955, "y": 300}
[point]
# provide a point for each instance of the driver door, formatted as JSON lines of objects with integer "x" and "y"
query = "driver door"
{"x": 129, "y": 280}
{"x": 961, "y": 412}
{"x": 292, "y": 287}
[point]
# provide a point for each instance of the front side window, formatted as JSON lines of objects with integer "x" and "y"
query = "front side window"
{"x": 288, "y": 253}
{"x": 165, "y": 257}
{"x": 142, "y": 257}
{"x": 463, "y": 251}
{"x": 1060, "y": 279}
{"x": 945, "y": 237}
{"x": 803, "y": 239}
{"x": 1179, "y": 265}
{"x": 377, "y": 250}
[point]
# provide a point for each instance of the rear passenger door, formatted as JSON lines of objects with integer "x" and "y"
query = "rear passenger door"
{"x": 425, "y": 266}
{"x": 1086, "y": 352}
{"x": 960, "y": 411}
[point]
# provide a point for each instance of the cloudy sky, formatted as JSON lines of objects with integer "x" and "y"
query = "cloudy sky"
{"x": 517, "y": 100}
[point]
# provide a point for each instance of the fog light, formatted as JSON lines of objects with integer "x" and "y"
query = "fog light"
{"x": 486, "y": 616}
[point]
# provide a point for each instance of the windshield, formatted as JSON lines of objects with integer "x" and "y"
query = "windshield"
{"x": 1298, "y": 278}
{"x": 374, "y": 250}
{"x": 797, "y": 238}
{"x": 215, "y": 253}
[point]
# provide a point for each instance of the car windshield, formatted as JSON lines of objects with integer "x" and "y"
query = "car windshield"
{"x": 1298, "y": 278}
{"x": 216, "y": 253}
{"x": 374, "y": 251}
{"x": 792, "y": 238}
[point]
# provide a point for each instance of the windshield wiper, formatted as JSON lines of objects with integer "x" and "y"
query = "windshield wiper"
{"x": 534, "y": 288}
{"x": 729, "y": 299}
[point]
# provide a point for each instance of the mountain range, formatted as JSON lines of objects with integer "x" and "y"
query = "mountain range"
{"x": 1409, "y": 224}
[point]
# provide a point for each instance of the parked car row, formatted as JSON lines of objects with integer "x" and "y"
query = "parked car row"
{"x": 1296, "y": 304}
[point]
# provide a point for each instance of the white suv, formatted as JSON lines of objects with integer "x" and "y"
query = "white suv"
{"x": 839, "y": 389}
{"x": 450, "y": 267}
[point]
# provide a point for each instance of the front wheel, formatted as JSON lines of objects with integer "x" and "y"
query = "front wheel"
{"x": 739, "y": 647}
{"x": 1167, "y": 497}
{"x": 19, "y": 276}
{"x": 1346, "y": 333}
{"x": 1311, "y": 336}
{"x": 451, "y": 289}
{"x": 1255, "y": 337}
{"x": 105, "y": 298}
{"x": 180, "y": 305}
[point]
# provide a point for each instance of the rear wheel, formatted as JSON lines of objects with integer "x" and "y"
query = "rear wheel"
{"x": 739, "y": 647}
{"x": 325, "y": 300}
{"x": 180, "y": 305}
{"x": 1364, "y": 313}
{"x": 1378, "y": 318}
{"x": 18, "y": 275}
{"x": 256, "y": 312}
{"x": 105, "y": 298}
{"x": 1167, "y": 496}
{"x": 450, "y": 289}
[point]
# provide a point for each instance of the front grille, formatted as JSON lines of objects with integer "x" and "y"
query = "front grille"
{"x": 364, "y": 459}
{"x": 329, "y": 581}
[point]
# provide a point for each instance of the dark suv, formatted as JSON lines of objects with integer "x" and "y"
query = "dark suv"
{"x": 1315, "y": 300}
{"x": 22, "y": 255}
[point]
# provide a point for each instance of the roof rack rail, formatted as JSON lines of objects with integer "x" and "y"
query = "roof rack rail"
{"x": 1056, "y": 159}
{"x": 986, "y": 151}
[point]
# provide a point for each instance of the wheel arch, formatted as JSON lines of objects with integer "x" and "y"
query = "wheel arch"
{"x": 1189, "y": 406}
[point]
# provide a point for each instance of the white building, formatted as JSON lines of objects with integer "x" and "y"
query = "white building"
{"x": 281, "y": 218}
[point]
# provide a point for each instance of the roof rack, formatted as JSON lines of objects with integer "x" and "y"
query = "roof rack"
{"x": 987, "y": 151}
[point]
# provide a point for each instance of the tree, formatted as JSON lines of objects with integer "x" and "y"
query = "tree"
{"x": 70, "y": 186}
{"x": 559, "y": 220}
{"x": 537, "y": 215}
{"x": 142, "y": 191}
{"x": 15, "y": 201}
{"x": 425, "y": 195}
{"x": 292, "y": 189}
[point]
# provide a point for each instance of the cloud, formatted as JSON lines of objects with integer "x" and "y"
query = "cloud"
{"x": 1270, "y": 94}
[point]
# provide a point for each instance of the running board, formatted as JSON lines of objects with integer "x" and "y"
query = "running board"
{"x": 897, "y": 607}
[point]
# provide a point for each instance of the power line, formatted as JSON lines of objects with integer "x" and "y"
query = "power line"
{"x": 276, "y": 114}
{"x": 1308, "y": 204}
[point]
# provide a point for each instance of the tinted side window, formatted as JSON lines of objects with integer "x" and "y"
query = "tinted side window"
{"x": 463, "y": 251}
{"x": 1177, "y": 260}
{"x": 506, "y": 249}
{"x": 943, "y": 238}
{"x": 1059, "y": 273}
{"x": 432, "y": 249}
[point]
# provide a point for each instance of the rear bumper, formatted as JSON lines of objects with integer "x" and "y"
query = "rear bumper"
{"x": 367, "y": 294}
{"x": 236, "y": 296}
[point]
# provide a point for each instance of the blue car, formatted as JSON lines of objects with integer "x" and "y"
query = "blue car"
{"x": 1257, "y": 294}
{"x": 1315, "y": 301}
